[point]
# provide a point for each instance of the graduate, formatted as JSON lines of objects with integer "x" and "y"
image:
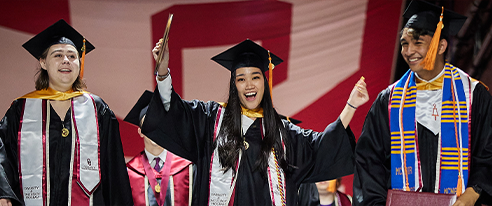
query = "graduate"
{"x": 442, "y": 116}
{"x": 157, "y": 177}
{"x": 60, "y": 145}
{"x": 245, "y": 154}
{"x": 323, "y": 193}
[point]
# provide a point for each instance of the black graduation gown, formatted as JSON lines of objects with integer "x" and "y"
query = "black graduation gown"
{"x": 187, "y": 130}
{"x": 308, "y": 195}
{"x": 114, "y": 188}
{"x": 373, "y": 154}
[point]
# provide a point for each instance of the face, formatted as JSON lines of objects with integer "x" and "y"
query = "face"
{"x": 63, "y": 65}
{"x": 250, "y": 86}
{"x": 414, "y": 50}
{"x": 327, "y": 187}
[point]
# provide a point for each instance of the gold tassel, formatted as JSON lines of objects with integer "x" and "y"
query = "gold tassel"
{"x": 270, "y": 75}
{"x": 82, "y": 60}
{"x": 430, "y": 58}
{"x": 459, "y": 188}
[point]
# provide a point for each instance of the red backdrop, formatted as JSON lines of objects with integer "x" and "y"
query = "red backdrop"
{"x": 326, "y": 46}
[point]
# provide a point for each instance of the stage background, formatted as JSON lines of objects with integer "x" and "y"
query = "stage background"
{"x": 326, "y": 45}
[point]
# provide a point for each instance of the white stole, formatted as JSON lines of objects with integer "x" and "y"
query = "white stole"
{"x": 33, "y": 149}
{"x": 222, "y": 184}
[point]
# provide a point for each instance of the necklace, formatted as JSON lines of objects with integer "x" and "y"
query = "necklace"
{"x": 64, "y": 131}
{"x": 246, "y": 144}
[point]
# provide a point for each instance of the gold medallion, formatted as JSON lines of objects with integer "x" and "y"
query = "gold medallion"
{"x": 65, "y": 132}
{"x": 246, "y": 145}
{"x": 158, "y": 188}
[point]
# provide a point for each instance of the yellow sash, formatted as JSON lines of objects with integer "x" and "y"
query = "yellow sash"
{"x": 434, "y": 85}
{"x": 255, "y": 113}
{"x": 52, "y": 94}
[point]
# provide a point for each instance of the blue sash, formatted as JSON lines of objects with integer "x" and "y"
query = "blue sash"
{"x": 454, "y": 128}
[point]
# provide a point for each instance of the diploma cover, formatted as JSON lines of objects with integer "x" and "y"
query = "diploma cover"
{"x": 410, "y": 198}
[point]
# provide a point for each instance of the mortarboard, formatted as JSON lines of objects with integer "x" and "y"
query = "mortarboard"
{"x": 423, "y": 15}
{"x": 294, "y": 121}
{"x": 246, "y": 54}
{"x": 139, "y": 109}
{"x": 58, "y": 33}
{"x": 426, "y": 16}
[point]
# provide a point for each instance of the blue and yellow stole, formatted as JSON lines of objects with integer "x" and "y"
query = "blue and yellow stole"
{"x": 452, "y": 158}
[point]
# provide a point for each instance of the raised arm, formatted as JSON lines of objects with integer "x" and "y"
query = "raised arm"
{"x": 162, "y": 71}
{"x": 358, "y": 97}
{"x": 175, "y": 124}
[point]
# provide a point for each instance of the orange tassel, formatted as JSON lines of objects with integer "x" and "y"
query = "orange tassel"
{"x": 459, "y": 188}
{"x": 430, "y": 58}
{"x": 332, "y": 186}
{"x": 82, "y": 60}
{"x": 270, "y": 75}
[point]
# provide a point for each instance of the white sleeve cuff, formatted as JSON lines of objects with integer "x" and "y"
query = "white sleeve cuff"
{"x": 165, "y": 89}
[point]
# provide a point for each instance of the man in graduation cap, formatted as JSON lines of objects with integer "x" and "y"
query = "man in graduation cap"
{"x": 157, "y": 177}
{"x": 431, "y": 131}
{"x": 245, "y": 154}
{"x": 60, "y": 145}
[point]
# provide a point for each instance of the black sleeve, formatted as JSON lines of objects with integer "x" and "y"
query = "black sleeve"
{"x": 320, "y": 156}
{"x": 308, "y": 195}
{"x": 372, "y": 156}
{"x": 115, "y": 183}
{"x": 9, "y": 176}
{"x": 481, "y": 143}
{"x": 183, "y": 129}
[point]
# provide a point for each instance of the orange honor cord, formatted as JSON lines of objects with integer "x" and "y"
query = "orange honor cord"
{"x": 402, "y": 134}
{"x": 459, "y": 187}
{"x": 270, "y": 74}
{"x": 430, "y": 58}
{"x": 82, "y": 60}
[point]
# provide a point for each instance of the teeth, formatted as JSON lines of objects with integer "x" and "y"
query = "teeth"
{"x": 413, "y": 59}
{"x": 250, "y": 94}
{"x": 65, "y": 70}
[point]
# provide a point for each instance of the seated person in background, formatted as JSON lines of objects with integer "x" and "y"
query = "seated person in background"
{"x": 157, "y": 177}
{"x": 323, "y": 193}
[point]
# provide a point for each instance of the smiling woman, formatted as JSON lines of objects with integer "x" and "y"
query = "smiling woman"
{"x": 250, "y": 85}
{"x": 60, "y": 145}
{"x": 62, "y": 64}
{"x": 244, "y": 141}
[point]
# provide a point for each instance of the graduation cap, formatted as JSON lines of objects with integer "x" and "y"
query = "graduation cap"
{"x": 58, "y": 33}
{"x": 430, "y": 17}
{"x": 246, "y": 54}
{"x": 139, "y": 109}
{"x": 423, "y": 15}
{"x": 294, "y": 121}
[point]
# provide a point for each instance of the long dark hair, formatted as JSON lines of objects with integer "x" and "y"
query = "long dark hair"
{"x": 230, "y": 132}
